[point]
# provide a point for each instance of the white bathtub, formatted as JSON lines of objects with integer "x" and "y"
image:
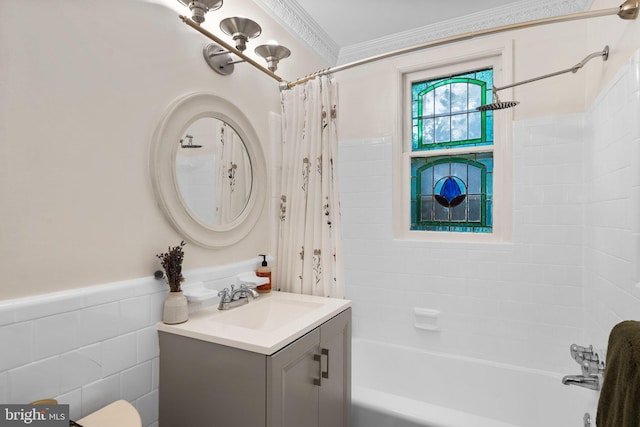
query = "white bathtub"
{"x": 395, "y": 386}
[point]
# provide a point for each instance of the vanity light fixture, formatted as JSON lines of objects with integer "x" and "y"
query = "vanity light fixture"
{"x": 273, "y": 53}
{"x": 241, "y": 30}
{"x": 200, "y": 7}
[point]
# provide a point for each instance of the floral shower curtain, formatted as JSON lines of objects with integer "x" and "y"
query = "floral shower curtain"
{"x": 309, "y": 258}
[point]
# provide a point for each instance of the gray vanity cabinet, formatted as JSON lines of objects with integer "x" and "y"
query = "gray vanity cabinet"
{"x": 310, "y": 379}
{"x": 305, "y": 384}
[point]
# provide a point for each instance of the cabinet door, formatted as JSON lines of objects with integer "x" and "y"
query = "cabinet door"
{"x": 335, "y": 391}
{"x": 292, "y": 399}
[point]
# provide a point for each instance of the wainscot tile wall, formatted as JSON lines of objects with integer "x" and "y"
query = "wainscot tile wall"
{"x": 89, "y": 347}
{"x": 568, "y": 275}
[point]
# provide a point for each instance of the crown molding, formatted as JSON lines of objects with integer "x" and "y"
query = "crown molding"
{"x": 521, "y": 11}
{"x": 294, "y": 18}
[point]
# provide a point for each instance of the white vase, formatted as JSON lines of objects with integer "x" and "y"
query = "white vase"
{"x": 176, "y": 308}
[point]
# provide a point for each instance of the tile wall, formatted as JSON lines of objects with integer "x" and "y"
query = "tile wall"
{"x": 520, "y": 303}
{"x": 89, "y": 347}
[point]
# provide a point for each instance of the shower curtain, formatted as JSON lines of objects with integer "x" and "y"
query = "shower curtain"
{"x": 309, "y": 255}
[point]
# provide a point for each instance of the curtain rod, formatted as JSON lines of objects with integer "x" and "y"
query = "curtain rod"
{"x": 627, "y": 10}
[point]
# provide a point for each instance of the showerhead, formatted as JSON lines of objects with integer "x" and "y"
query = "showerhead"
{"x": 500, "y": 105}
{"x": 189, "y": 143}
{"x": 497, "y": 105}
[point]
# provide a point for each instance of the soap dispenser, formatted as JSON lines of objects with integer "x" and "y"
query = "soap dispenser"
{"x": 264, "y": 271}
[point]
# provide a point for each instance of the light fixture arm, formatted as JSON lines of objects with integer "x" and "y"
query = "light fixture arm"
{"x": 230, "y": 48}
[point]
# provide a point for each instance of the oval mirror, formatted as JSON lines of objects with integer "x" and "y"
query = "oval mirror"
{"x": 208, "y": 170}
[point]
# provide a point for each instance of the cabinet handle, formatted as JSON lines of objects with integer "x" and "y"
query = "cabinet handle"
{"x": 318, "y": 381}
{"x": 325, "y": 352}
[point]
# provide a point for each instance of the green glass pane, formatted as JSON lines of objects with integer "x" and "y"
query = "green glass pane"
{"x": 416, "y": 88}
{"x": 489, "y": 214}
{"x": 485, "y": 76}
{"x": 489, "y": 126}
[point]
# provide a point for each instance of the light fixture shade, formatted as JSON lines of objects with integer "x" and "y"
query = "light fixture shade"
{"x": 273, "y": 53}
{"x": 200, "y": 7}
{"x": 241, "y": 30}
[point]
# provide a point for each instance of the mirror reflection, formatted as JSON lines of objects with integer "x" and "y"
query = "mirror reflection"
{"x": 213, "y": 172}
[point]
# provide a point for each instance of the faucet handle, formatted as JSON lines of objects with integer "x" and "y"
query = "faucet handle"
{"x": 592, "y": 367}
{"x": 224, "y": 294}
{"x": 580, "y": 354}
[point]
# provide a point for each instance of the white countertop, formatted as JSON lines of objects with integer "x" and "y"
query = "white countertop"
{"x": 264, "y": 325}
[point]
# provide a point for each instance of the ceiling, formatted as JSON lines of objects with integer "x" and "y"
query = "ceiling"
{"x": 341, "y": 31}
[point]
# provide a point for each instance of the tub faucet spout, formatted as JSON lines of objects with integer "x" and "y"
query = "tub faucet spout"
{"x": 591, "y": 382}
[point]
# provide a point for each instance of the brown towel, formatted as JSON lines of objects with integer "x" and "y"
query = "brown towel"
{"x": 619, "y": 403}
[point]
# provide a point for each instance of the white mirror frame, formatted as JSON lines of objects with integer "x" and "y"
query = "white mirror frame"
{"x": 180, "y": 114}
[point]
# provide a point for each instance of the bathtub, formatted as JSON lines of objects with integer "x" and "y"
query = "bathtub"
{"x": 396, "y": 386}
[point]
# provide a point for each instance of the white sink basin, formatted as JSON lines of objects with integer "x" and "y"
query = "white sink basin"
{"x": 266, "y": 313}
{"x": 263, "y": 325}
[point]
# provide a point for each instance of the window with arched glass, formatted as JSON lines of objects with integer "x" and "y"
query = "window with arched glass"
{"x": 452, "y": 153}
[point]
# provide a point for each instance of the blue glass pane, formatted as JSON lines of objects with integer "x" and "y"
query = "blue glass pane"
{"x": 475, "y": 208}
{"x": 428, "y": 101}
{"x": 475, "y": 96}
{"x": 475, "y": 125}
{"x": 475, "y": 180}
{"x": 440, "y": 171}
{"x": 459, "y": 131}
{"x": 443, "y": 129}
{"x": 459, "y": 170}
{"x": 428, "y": 131}
{"x": 426, "y": 181}
{"x": 443, "y": 100}
{"x": 459, "y": 97}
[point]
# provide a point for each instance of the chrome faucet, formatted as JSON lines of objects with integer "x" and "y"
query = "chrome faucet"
{"x": 590, "y": 382}
{"x": 236, "y": 297}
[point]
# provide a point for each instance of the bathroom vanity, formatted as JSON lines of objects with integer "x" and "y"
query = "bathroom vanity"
{"x": 280, "y": 360}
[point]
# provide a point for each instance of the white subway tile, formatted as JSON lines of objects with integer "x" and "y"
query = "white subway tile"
{"x": 55, "y": 334}
{"x": 100, "y": 393}
{"x": 135, "y": 313}
{"x": 136, "y": 382}
{"x": 37, "y": 380}
{"x": 118, "y": 354}
{"x": 99, "y": 323}
{"x": 148, "y": 407}
{"x": 4, "y": 387}
{"x": 17, "y": 345}
{"x": 74, "y": 400}
{"x": 147, "y": 342}
{"x": 80, "y": 367}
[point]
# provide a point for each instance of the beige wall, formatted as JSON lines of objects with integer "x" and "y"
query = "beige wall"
{"x": 83, "y": 85}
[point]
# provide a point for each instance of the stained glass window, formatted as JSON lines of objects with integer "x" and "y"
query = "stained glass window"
{"x": 444, "y": 111}
{"x": 452, "y": 192}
